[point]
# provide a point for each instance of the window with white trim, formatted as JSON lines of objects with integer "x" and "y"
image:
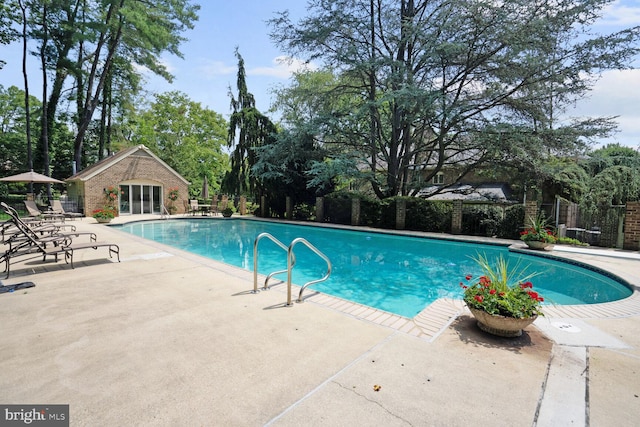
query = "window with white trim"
{"x": 438, "y": 179}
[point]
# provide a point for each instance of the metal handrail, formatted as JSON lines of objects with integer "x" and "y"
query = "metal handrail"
{"x": 255, "y": 260}
{"x": 291, "y": 260}
{"x": 164, "y": 213}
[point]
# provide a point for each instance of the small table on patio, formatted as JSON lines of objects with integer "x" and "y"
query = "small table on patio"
{"x": 204, "y": 209}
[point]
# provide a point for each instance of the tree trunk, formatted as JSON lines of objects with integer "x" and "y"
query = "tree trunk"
{"x": 27, "y": 112}
{"x": 92, "y": 98}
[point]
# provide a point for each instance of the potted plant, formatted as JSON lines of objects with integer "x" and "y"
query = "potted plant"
{"x": 172, "y": 196}
{"x": 111, "y": 193}
{"x": 539, "y": 234}
{"x": 502, "y": 300}
{"x": 227, "y": 212}
{"x": 105, "y": 214}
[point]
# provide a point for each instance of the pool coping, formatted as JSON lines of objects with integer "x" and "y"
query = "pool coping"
{"x": 437, "y": 316}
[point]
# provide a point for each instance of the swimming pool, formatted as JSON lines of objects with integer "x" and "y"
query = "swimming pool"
{"x": 395, "y": 273}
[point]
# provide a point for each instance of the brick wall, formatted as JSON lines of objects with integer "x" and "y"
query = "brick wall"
{"x": 632, "y": 226}
{"x": 136, "y": 169}
{"x": 530, "y": 211}
{"x": 355, "y": 211}
{"x": 401, "y": 214}
{"x": 456, "y": 217}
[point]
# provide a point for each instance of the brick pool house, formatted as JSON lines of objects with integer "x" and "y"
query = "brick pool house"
{"x": 143, "y": 178}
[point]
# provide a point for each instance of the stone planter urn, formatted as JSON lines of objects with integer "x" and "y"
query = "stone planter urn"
{"x": 538, "y": 245}
{"x": 500, "y": 325}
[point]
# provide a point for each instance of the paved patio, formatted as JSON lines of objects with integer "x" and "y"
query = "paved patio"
{"x": 170, "y": 338}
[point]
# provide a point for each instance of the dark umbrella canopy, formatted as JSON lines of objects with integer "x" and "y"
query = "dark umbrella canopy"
{"x": 205, "y": 188}
{"x": 33, "y": 177}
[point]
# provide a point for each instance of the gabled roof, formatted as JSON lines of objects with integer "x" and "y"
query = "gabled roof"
{"x": 477, "y": 193}
{"x": 139, "y": 150}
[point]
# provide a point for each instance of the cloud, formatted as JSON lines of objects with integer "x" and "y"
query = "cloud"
{"x": 621, "y": 14}
{"x": 166, "y": 62}
{"x": 611, "y": 96}
{"x": 282, "y": 67}
{"x": 217, "y": 68}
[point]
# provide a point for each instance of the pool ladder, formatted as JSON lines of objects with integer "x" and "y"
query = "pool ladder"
{"x": 291, "y": 261}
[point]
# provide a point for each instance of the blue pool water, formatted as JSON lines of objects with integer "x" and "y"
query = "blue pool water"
{"x": 394, "y": 273}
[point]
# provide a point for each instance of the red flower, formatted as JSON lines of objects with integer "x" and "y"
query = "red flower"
{"x": 492, "y": 291}
{"x": 468, "y": 277}
{"x": 526, "y": 285}
{"x": 479, "y": 298}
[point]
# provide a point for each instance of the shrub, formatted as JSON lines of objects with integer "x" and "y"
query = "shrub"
{"x": 337, "y": 207}
{"x": 512, "y": 223}
{"x": 429, "y": 215}
{"x": 481, "y": 220}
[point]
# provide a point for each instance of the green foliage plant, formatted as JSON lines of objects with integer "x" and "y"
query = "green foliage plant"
{"x": 538, "y": 231}
{"x": 304, "y": 212}
{"x": 337, "y": 207}
{"x": 502, "y": 290}
{"x": 570, "y": 241}
{"x": 481, "y": 220}
{"x": 512, "y": 222}
{"x": 173, "y": 194}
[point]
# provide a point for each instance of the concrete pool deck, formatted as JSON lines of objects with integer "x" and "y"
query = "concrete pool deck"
{"x": 170, "y": 338}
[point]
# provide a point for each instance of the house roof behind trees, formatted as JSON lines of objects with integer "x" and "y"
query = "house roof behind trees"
{"x": 477, "y": 193}
{"x": 102, "y": 165}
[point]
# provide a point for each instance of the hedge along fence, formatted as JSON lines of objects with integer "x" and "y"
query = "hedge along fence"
{"x": 488, "y": 219}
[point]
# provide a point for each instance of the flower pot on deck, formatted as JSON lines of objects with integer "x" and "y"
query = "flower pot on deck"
{"x": 538, "y": 245}
{"x": 500, "y": 325}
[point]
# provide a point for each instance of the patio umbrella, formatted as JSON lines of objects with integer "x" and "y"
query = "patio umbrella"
{"x": 205, "y": 188}
{"x": 31, "y": 177}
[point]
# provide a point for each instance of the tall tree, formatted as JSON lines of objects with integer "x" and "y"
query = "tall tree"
{"x": 185, "y": 135}
{"x": 248, "y": 129}
{"x": 611, "y": 155}
{"x": 457, "y": 83}
{"x": 23, "y": 12}
{"x": 13, "y": 119}
{"x": 99, "y": 43}
{"x": 310, "y": 106}
{"x": 138, "y": 32}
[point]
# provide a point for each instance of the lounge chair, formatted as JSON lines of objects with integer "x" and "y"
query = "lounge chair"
{"x": 214, "y": 206}
{"x": 34, "y": 212}
{"x": 193, "y": 206}
{"x": 187, "y": 207}
{"x": 11, "y": 232}
{"x": 57, "y": 208}
{"x": 32, "y": 243}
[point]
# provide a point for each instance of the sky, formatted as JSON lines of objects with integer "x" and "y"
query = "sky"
{"x": 209, "y": 66}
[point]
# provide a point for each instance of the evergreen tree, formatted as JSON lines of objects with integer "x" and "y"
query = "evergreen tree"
{"x": 248, "y": 129}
